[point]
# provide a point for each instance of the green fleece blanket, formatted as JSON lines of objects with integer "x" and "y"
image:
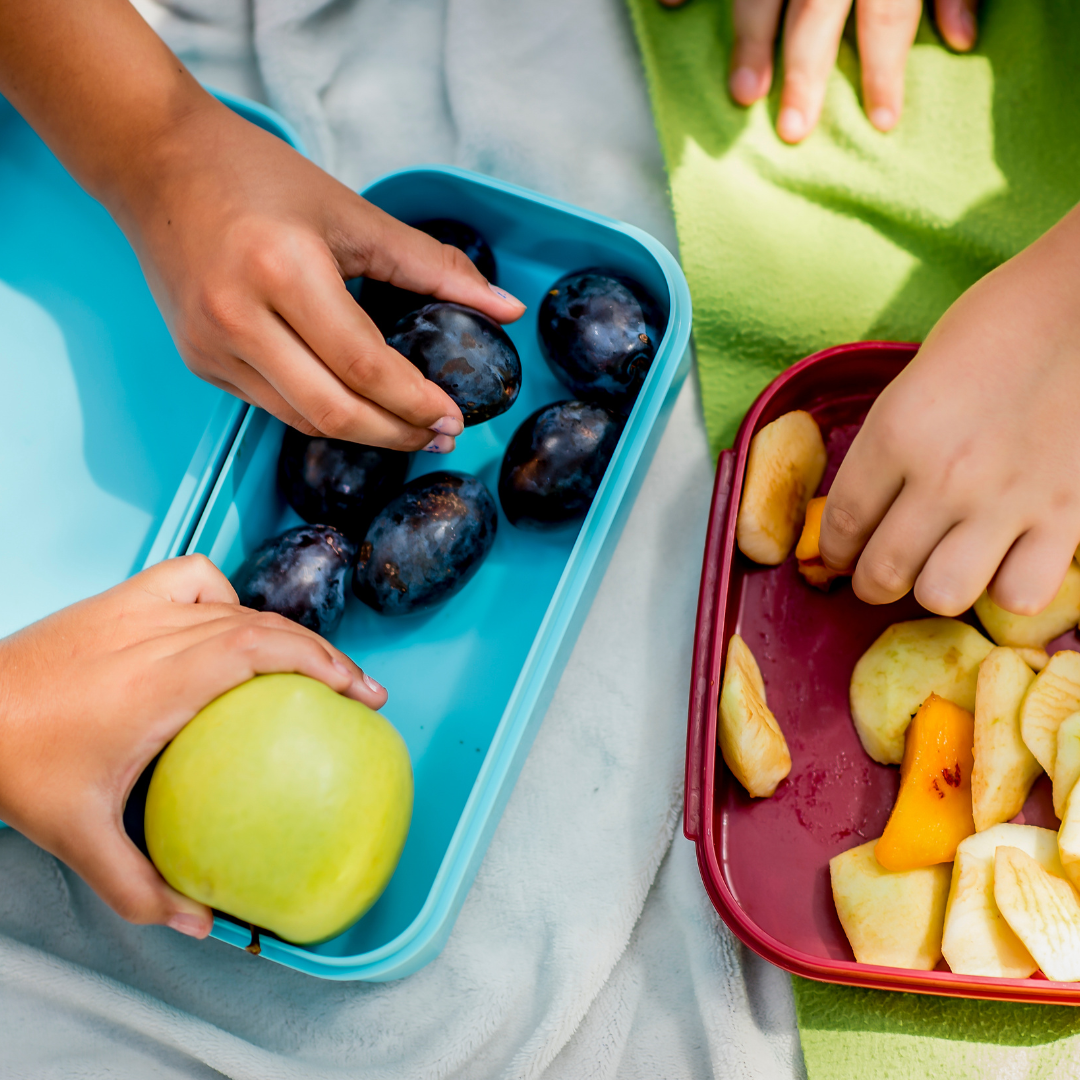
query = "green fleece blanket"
{"x": 858, "y": 235}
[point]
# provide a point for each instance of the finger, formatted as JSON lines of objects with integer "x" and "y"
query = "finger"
{"x": 339, "y": 332}
{"x": 961, "y": 565}
{"x": 1032, "y": 572}
{"x": 384, "y": 248}
{"x": 248, "y": 385}
{"x": 755, "y": 23}
{"x": 886, "y": 32}
{"x": 897, "y": 551}
{"x": 189, "y": 579}
{"x": 956, "y": 21}
{"x": 812, "y": 32}
{"x": 314, "y": 391}
{"x": 107, "y": 860}
{"x": 866, "y": 485}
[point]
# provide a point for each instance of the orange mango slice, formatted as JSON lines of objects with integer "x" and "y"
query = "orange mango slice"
{"x": 932, "y": 812}
{"x": 808, "y": 550}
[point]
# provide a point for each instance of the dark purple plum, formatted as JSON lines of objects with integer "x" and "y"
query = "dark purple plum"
{"x": 599, "y": 332}
{"x": 332, "y": 482}
{"x": 426, "y": 544}
{"x": 387, "y": 304}
{"x": 465, "y": 353}
{"x": 299, "y": 574}
{"x": 555, "y": 462}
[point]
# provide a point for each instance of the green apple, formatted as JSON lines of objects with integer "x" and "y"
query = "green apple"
{"x": 284, "y": 804}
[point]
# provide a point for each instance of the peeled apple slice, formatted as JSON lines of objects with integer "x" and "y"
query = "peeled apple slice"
{"x": 1036, "y": 659}
{"x": 783, "y": 469}
{"x": 1059, "y": 615}
{"x": 1042, "y": 910}
{"x": 1054, "y": 695}
{"x": 1004, "y": 767}
{"x": 909, "y": 662}
{"x": 890, "y": 918}
{"x": 977, "y": 939}
{"x": 751, "y": 741}
{"x": 1066, "y": 761}
{"x": 1069, "y": 837}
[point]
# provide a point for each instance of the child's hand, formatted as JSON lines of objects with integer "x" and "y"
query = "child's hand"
{"x": 244, "y": 242}
{"x": 88, "y": 697}
{"x": 812, "y": 31}
{"x": 968, "y": 466}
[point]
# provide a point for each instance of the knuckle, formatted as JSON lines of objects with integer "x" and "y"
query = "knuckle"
{"x": 841, "y": 522}
{"x": 333, "y": 419}
{"x": 359, "y": 370}
{"x": 883, "y": 575}
{"x": 223, "y": 312}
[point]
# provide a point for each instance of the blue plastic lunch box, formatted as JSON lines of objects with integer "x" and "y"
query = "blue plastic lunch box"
{"x": 469, "y": 682}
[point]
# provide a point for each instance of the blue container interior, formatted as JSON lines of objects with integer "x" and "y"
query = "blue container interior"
{"x": 451, "y": 672}
{"x": 108, "y": 445}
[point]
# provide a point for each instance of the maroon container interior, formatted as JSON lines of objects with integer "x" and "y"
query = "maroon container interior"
{"x": 765, "y": 862}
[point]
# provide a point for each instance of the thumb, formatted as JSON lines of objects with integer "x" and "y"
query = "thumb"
{"x": 128, "y": 882}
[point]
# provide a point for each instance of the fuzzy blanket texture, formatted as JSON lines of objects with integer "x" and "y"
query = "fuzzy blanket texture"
{"x": 859, "y": 235}
{"x": 587, "y": 946}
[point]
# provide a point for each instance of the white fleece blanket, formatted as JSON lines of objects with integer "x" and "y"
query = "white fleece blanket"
{"x": 587, "y": 946}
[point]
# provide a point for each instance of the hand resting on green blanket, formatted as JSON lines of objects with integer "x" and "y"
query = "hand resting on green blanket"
{"x": 90, "y": 695}
{"x": 967, "y": 470}
{"x": 811, "y": 39}
{"x": 245, "y": 243}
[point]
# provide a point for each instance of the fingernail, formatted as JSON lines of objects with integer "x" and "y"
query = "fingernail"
{"x": 502, "y": 294}
{"x": 883, "y": 119}
{"x": 441, "y": 444}
{"x": 744, "y": 85}
{"x": 370, "y": 683}
{"x": 791, "y": 124}
{"x": 448, "y": 425}
{"x": 191, "y": 925}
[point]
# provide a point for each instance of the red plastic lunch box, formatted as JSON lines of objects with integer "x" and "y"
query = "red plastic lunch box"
{"x": 765, "y": 862}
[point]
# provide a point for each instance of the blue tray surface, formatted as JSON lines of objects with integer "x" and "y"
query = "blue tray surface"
{"x": 106, "y": 436}
{"x": 452, "y": 672}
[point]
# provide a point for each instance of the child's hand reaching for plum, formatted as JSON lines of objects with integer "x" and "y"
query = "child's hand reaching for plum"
{"x": 967, "y": 470}
{"x": 811, "y": 38}
{"x": 245, "y": 243}
{"x": 88, "y": 697}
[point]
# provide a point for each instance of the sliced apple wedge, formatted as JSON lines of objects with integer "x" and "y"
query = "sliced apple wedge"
{"x": 1069, "y": 836}
{"x": 1036, "y": 659}
{"x": 892, "y": 918}
{"x": 751, "y": 741}
{"x": 1061, "y": 614}
{"x": 783, "y": 469}
{"x": 1054, "y": 695}
{"x": 1004, "y": 768}
{"x": 909, "y": 662}
{"x": 1066, "y": 761}
{"x": 1043, "y": 910}
{"x": 977, "y": 939}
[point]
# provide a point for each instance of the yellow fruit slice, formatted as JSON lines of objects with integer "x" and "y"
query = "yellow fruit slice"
{"x": 977, "y": 939}
{"x": 1069, "y": 837}
{"x": 1066, "y": 761}
{"x": 1036, "y": 659}
{"x": 1042, "y": 910}
{"x": 1060, "y": 615}
{"x": 909, "y": 662}
{"x": 1053, "y": 695}
{"x": 783, "y": 469}
{"x": 891, "y": 918}
{"x": 1004, "y": 768}
{"x": 751, "y": 741}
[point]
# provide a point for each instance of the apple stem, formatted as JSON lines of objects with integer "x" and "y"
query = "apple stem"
{"x": 253, "y": 946}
